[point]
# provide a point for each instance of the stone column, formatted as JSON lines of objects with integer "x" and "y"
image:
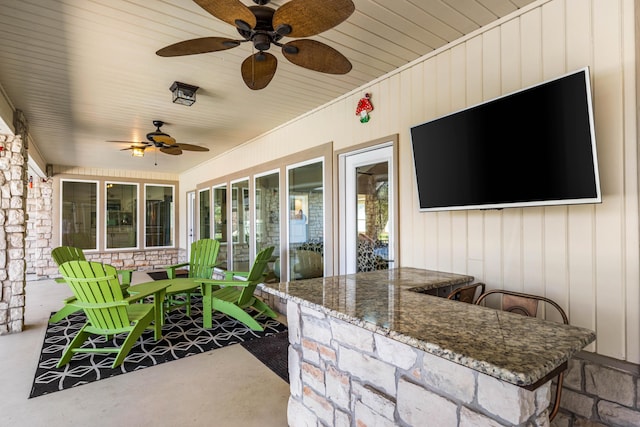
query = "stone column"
{"x": 13, "y": 178}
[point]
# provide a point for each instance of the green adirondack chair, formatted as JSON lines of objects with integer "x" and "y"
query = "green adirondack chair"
{"x": 234, "y": 297}
{"x": 63, "y": 254}
{"x": 204, "y": 253}
{"x": 97, "y": 291}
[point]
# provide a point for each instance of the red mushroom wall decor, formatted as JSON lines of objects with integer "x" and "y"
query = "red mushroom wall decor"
{"x": 364, "y": 108}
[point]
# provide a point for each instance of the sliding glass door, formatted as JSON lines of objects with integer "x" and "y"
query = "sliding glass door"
{"x": 305, "y": 201}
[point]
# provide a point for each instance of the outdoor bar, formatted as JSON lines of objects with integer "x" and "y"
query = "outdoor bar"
{"x": 374, "y": 349}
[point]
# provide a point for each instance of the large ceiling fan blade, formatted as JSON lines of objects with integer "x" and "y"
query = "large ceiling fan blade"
{"x": 191, "y": 147}
{"x": 258, "y": 70}
{"x": 174, "y": 151}
{"x": 201, "y": 45}
{"x": 304, "y": 18}
{"x": 316, "y": 56}
{"x": 229, "y": 11}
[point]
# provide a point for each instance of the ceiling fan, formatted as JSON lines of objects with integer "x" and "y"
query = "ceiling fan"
{"x": 265, "y": 26}
{"x": 166, "y": 143}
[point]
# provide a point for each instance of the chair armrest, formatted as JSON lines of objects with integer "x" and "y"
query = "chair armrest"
{"x": 92, "y": 305}
{"x": 141, "y": 295}
{"x": 223, "y": 283}
{"x": 175, "y": 266}
{"x": 228, "y": 274}
{"x": 171, "y": 269}
{"x": 125, "y": 276}
{"x": 60, "y": 280}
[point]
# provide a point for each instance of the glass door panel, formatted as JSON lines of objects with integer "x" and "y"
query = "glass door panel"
{"x": 267, "y": 215}
{"x": 306, "y": 221}
{"x": 372, "y": 216}
{"x": 240, "y": 225}
{"x": 220, "y": 221}
{"x": 368, "y": 211}
{"x": 205, "y": 214}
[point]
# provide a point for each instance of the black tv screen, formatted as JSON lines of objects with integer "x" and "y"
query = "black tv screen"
{"x": 533, "y": 147}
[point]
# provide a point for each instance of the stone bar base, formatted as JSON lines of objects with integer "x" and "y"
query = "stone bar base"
{"x": 139, "y": 260}
{"x": 344, "y": 375}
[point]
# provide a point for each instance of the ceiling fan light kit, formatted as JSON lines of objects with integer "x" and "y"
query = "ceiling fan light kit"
{"x": 137, "y": 151}
{"x": 264, "y": 26}
{"x": 183, "y": 94}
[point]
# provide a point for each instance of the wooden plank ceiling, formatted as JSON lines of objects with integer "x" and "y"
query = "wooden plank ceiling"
{"x": 84, "y": 72}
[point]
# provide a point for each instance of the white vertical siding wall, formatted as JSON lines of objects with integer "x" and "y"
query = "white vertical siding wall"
{"x": 584, "y": 257}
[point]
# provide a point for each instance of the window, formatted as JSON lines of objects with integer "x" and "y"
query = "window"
{"x": 79, "y": 207}
{"x": 121, "y": 215}
{"x": 159, "y": 215}
{"x": 205, "y": 214}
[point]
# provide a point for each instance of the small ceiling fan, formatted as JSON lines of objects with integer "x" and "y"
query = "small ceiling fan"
{"x": 164, "y": 142}
{"x": 265, "y": 26}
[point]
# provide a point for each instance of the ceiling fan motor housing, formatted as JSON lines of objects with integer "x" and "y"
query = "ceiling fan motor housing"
{"x": 263, "y": 35}
{"x": 158, "y": 138}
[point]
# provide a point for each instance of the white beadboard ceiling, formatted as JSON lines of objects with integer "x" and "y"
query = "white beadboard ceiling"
{"x": 85, "y": 71}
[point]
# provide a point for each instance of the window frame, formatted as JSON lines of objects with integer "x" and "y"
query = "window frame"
{"x": 98, "y": 216}
{"x": 136, "y": 226}
{"x": 173, "y": 216}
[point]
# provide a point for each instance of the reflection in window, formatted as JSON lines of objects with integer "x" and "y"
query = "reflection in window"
{"x": 78, "y": 226}
{"x": 267, "y": 210}
{"x": 220, "y": 221}
{"x": 267, "y": 207}
{"x": 122, "y": 215}
{"x": 373, "y": 216}
{"x": 240, "y": 226}
{"x": 159, "y": 216}
{"x": 306, "y": 222}
{"x": 205, "y": 214}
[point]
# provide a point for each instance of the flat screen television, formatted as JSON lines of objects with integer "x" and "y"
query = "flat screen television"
{"x": 533, "y": 147}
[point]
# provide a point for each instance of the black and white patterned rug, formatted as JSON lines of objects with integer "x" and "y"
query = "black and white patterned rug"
{"x": 182, "y": 336}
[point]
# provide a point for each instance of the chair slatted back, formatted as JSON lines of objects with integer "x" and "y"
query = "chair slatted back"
{"x": 62, "y": 254}
{"x": 255, "y": 275}
{"x": 204, "y": 253}
{"x": 97, "y": 287}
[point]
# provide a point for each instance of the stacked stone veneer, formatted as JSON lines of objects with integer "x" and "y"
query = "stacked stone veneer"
{"x": 39, "y": 225}
{"x": 12, "y": 233}
{"x": 146, "y": 260}
{"x": 344, "y": 375}
{"x": 600, "y": 392}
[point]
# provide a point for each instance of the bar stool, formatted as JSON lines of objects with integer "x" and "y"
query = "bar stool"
{"x": 527, "y": 305}
{"x": 467, "y": 293}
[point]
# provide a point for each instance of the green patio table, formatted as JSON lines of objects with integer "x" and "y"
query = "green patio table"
{"x": 178, "y": 285}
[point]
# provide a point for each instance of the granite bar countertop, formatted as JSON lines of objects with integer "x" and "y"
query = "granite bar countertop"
{"x": 513, "y": 348}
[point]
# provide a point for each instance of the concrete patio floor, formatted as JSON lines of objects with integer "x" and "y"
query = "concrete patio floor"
{"x": 224, "y": 387}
